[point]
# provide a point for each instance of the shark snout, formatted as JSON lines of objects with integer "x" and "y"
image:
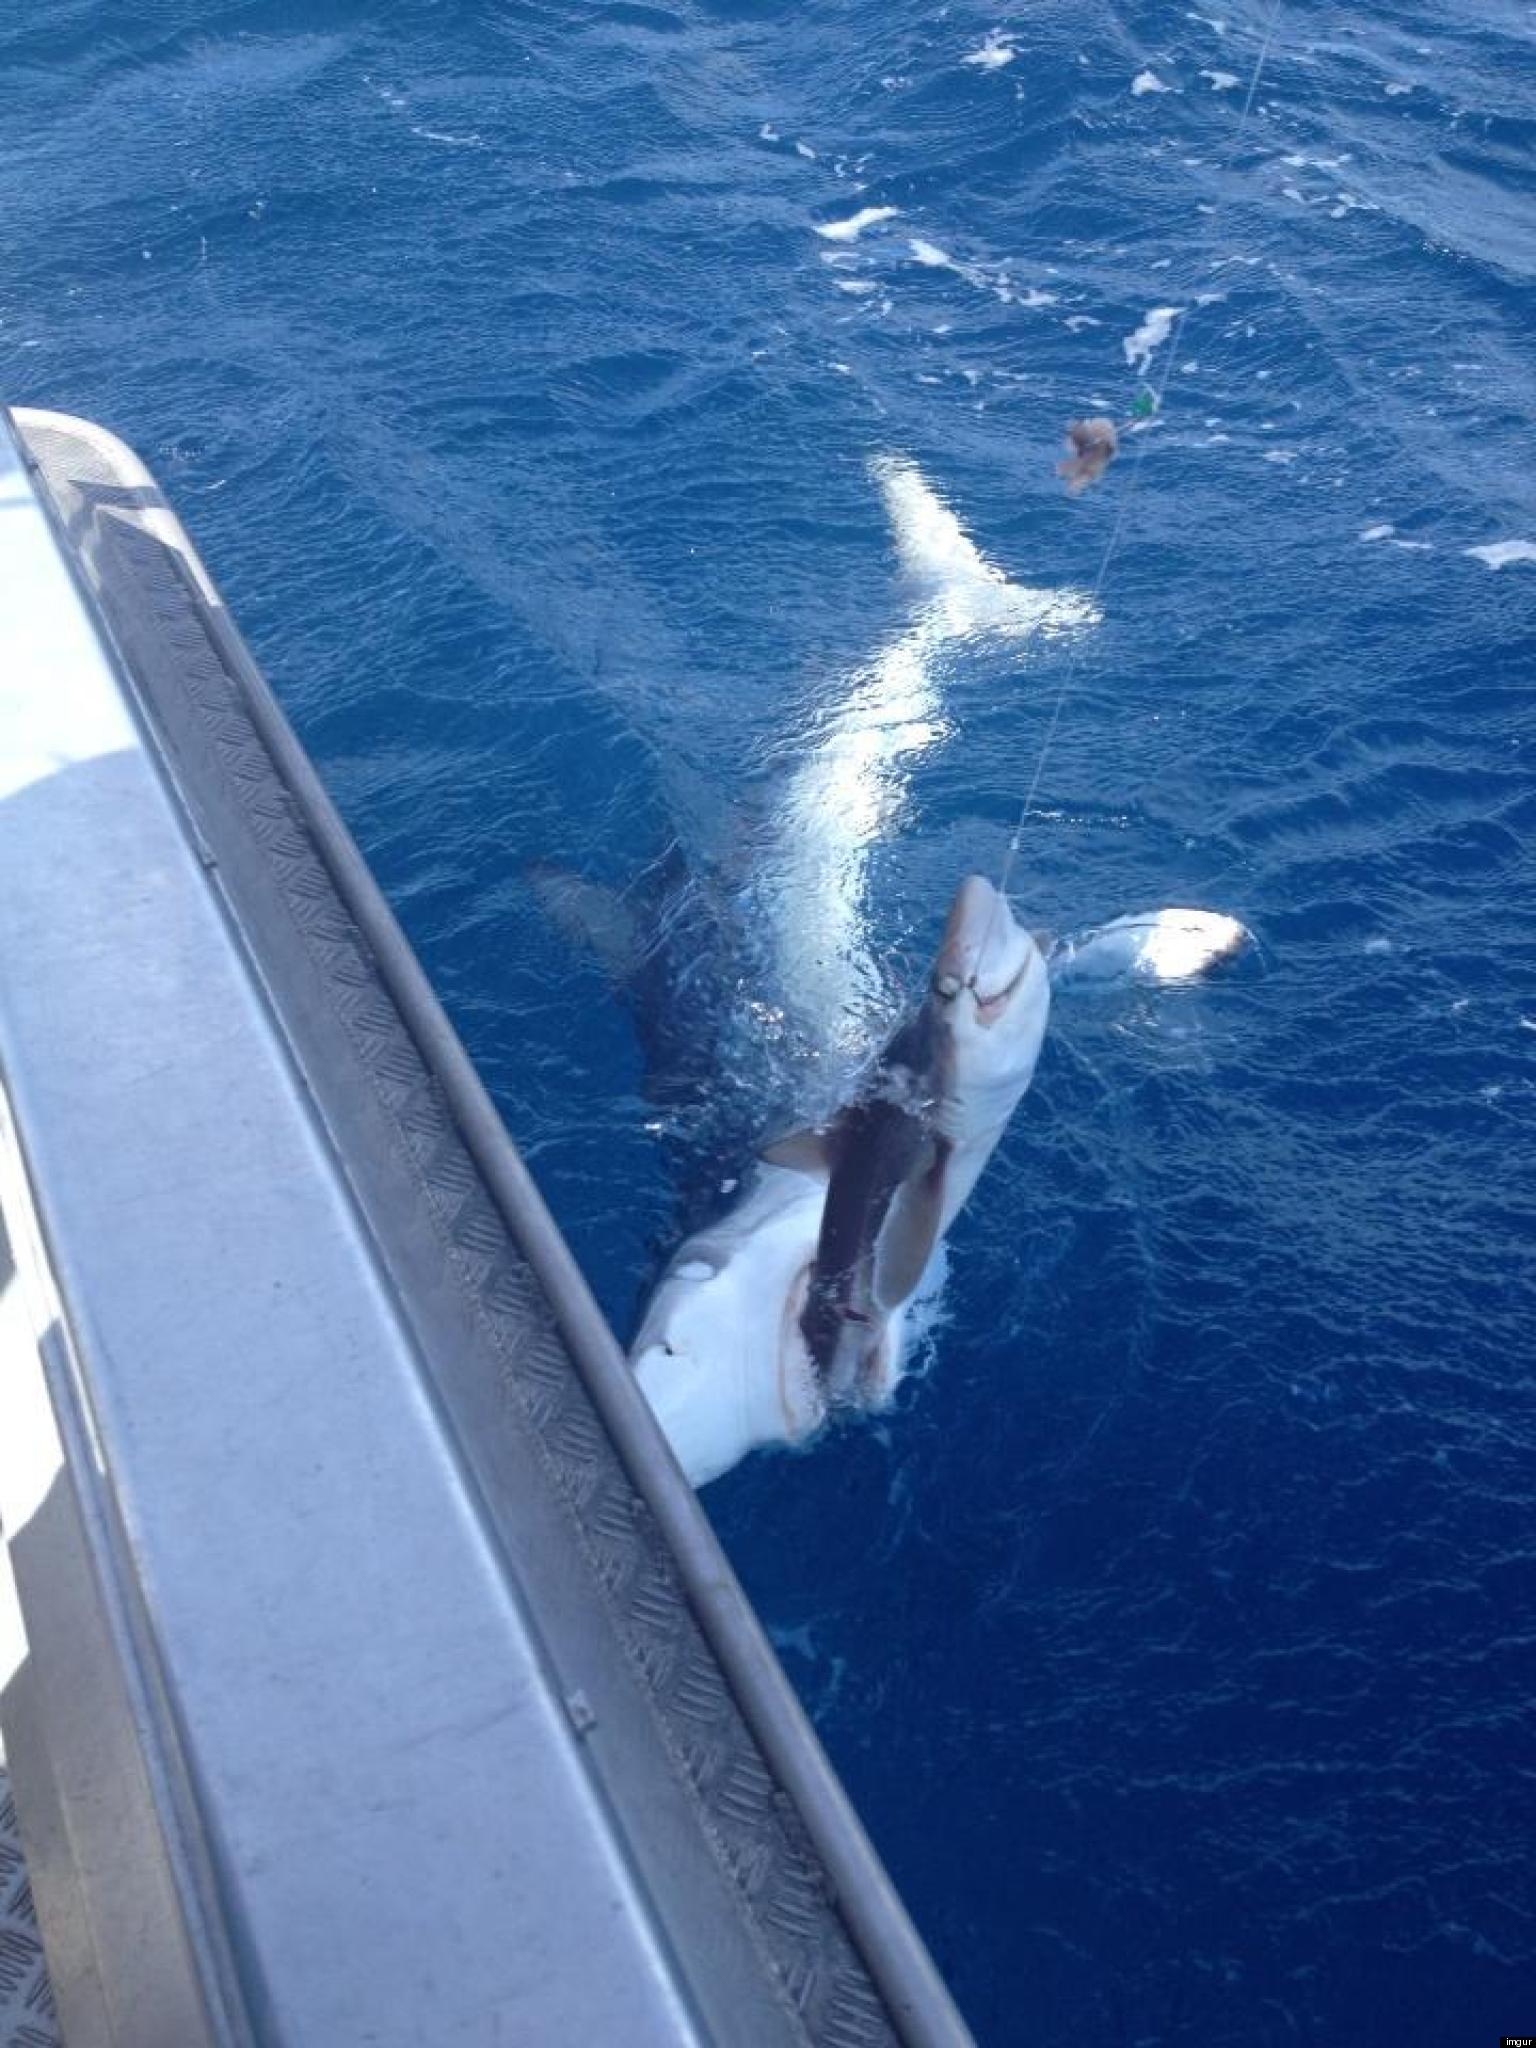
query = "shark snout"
{"x": 983, "y": 949}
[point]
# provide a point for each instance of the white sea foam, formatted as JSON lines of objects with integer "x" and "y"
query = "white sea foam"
{"x": 1377, "y": 532}
{"x": 994, "y": 53}
{"x": 1279, "y": 455}
{"x": 859, "y": 287}
{"x": 1348, "y": 202}
{"x": 1076, "y": 322}
{"x": 1222, "y": 81}
{"x": 768, "y": 133}
{"x": 1148, "y": 81}
{"x": 1150, "y": 335}
{"x": 932, "y": 257}
{"x": 1498, "y": 552}
{"x": 1394, "y": 88}
{"x": 849, "y": 230}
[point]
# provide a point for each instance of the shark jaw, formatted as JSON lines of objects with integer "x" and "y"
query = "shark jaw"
{"x": 719, "y": 1354}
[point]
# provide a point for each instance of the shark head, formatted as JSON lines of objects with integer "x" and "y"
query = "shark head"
{"x": 985, "y": 1016}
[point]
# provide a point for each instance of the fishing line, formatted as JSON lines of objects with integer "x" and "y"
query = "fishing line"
{"x": 1127, "y": 496}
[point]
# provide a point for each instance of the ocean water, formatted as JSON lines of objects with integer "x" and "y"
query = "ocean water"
{"x": 1176, "y": 1632}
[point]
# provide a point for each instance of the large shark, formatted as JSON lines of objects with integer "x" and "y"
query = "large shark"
{"x": 794, "y": 1302}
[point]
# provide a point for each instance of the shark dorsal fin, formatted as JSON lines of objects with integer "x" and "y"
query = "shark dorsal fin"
{"x": 806, "y": 1151}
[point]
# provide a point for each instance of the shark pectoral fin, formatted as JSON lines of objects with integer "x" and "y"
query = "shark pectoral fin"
{"x": 590, "y": 915}
{"x": 807, "y": 1151}
{"x": 910, "y": 1232}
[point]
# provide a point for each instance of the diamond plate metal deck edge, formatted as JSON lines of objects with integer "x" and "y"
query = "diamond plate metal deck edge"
{"x": 26, "y": 2000}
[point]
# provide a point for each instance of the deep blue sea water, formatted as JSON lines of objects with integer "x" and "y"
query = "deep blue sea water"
{"x": 1176, "y": 1634}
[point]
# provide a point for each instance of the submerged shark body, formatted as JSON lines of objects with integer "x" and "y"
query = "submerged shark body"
{"x": 794, "y": 1303}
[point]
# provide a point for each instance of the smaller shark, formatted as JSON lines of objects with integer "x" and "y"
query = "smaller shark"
{"x": 1151, "y": 946}
{"x": 793, "y": 1302}
{"x": 904, "y": 1156}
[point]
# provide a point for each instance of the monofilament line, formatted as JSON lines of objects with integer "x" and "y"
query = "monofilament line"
{"x": 1070, "y": 667}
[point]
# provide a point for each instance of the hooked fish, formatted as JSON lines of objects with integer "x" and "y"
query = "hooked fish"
{"x": 1095, "y": 444}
